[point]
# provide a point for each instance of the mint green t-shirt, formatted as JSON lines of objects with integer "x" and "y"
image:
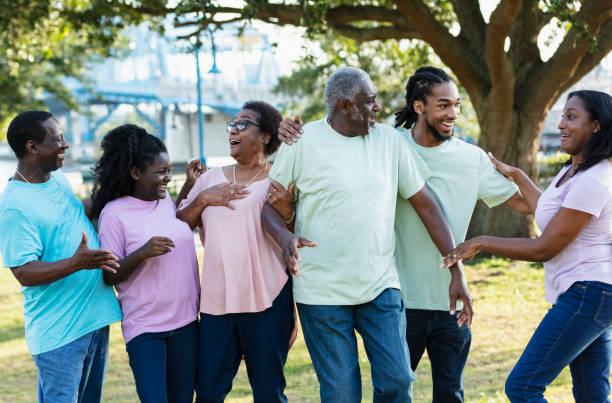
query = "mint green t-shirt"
{"x": 346, "y": 190}
{"x": 461, "y": 174}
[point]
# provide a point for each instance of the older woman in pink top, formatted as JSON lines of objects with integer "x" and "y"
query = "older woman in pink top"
{"x": 246, "y": 306}
{"x": 575, "y": 216}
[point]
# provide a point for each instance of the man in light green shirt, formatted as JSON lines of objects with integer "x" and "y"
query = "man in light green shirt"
{"x": 461, "y": 175}
{"x": 348, "y": 173}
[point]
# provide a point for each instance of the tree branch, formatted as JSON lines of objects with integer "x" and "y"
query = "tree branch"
{"x": 473, "y": 25}
{"x": 500, "y": 69}
{"x": 370, "y": 34}
{"x": 344, "y": 14}
{"x": 451, "y": 50}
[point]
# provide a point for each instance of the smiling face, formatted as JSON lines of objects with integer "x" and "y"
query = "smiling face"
{"x": 50, "y": 153}
{"x": 363, "y": 110}
{"x": 576, "y": 127}
{"x": 250, "y": 141}
{"x": 440, "y": 110}
{"x": 151, "y": 183}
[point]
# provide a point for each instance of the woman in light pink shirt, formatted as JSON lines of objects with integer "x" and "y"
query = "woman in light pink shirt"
{"x": 157, "y": 282}
{"x": 246, "y": 305}
{"x": 575, "y": 216}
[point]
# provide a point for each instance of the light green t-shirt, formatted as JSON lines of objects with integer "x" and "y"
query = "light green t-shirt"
{"x": 461, "y": 175}
{"x": 346, "y": 190}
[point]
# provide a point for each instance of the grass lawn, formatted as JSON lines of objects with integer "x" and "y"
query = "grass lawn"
{"x": 509, "y": 303}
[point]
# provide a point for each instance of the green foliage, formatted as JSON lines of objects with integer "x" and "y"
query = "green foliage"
{"x": 42, "y": 42}
{"x": 390, "y": 63}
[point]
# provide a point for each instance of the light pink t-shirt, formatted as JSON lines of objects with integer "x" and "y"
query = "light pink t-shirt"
{"x": 242, "y": 269}
{"x": 589, "y": 256}
{"x": 162, "y": 293}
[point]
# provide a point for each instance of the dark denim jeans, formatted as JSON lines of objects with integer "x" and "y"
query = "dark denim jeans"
{"x": 74, "y": 372}
{"x": 576, "y": 331}
{"x": 164, "y": 364}
{"x": 447, "y": 347}
{"x": 263, "y": 338}
{"x": 329, "y": 331}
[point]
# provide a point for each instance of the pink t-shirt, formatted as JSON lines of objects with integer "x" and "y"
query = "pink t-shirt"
{"x": 589, "y": 256}
{"x": 242, "y": 269}
{"x": 162, "y": 293}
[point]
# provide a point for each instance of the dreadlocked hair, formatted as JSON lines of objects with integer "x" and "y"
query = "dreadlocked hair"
{"x": 599, "y": 106}
{"x": 123, "y": 147}
{"x": 418, "y": 87}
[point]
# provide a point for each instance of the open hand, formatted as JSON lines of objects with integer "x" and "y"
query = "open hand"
{"x": 464, "y": 250}
{"x": 291, "y": 256}
{"x": 505, "y": 169}
{"x": 281, "y": 200}
{"x": 221, "y": 195}
{"x": 290, "y": 130}
{"x": 458, "y": 291}
{"x": 86, "y": 258}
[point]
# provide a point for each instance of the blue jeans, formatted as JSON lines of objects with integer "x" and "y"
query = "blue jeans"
{"x": 447, "y": 347}
{"x": 164, "y": 364}
{"x": 329, "y": 331}
{"x": 576, "y": 331}
{"x": 75, "y": 371}
{"x": 263, "y": 338}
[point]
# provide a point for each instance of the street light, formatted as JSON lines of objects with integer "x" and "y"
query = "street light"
{"x": 213, "y": 70}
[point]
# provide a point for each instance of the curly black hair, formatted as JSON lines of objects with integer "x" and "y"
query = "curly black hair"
{"x": 123, "y": 147}
{"x": 599, "y": 106}
{"x": 419, "y": 85}
{"x": 269, "y": 121}
{"x": 26, "y": 126}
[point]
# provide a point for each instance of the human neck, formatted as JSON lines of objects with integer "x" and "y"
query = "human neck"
{"x": 255, "y": 162}
{"x": 423, "y": 137}
{"x": 31, "y": 173}
{"x": 339, "y": 127}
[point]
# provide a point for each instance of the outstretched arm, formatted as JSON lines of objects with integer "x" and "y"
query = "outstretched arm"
{"x": 39, "y": 273}
{"x": 431, "y": 214}
{"x": 560, "y": 232}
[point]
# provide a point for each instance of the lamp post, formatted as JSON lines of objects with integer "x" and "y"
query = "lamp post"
{"x": 197, "y": 46}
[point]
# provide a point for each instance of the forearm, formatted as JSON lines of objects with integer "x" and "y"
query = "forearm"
{"x": 126, "y": 268}
{"x": 274, "y": 225}
{"x": 529, "y": 190}
{"x": 191, "y": 213}
{"x": 40, "y": 273}
{"x": 183, "y": 192}
{"x": 532, "y": 250}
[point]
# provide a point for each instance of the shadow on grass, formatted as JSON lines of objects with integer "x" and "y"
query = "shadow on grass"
{"x": 11, "y": 333}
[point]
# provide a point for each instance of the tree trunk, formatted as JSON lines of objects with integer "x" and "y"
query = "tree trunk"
{"x": 514, "y": 141}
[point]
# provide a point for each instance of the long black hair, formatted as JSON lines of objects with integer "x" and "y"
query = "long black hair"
{"x": 418, "y": 87}
{"x": 123, "y": 147}
{"x": 599, "y": 106}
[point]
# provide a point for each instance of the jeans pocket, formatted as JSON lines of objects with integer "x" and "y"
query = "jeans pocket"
{"x": 603, "y": 316}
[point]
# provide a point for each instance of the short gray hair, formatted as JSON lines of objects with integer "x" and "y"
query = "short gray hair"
{"x": 344, "y": 83}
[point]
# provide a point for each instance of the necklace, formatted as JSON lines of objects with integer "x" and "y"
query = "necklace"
{"x": 41, "y": 192}
{"x": 253, "y": 178}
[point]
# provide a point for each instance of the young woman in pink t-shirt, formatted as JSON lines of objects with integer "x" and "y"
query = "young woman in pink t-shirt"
{"x": 157, "y": 282}
{"x": 246, "y": 303}
{"x": 575, "y": 216}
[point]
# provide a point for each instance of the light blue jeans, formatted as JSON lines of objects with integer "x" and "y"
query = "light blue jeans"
{"x": 576, "y": 331}
{"x": 329, "y": 332}
{"x": 75, "y": 371}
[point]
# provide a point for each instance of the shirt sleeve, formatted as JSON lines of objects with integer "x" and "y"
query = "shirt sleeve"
{"x": 493, "y": 187}
{"x": 111, "y": 234}
{"x": 284, "y": 168}
{"x": 413, "y": 172}
{"x": 20, "y": 241}
{"x": 586, "y": 194}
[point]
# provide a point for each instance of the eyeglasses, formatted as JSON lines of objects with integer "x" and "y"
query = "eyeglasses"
{"x": 240, "y": 124}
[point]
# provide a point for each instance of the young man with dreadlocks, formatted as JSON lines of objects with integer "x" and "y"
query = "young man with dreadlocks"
{"x": 461, "y": 175}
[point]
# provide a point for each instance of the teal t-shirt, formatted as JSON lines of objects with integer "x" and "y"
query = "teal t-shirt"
{"x": 346, "y": 190}
{"x": 461, "y": 175}
{"x": 43, "y": 222}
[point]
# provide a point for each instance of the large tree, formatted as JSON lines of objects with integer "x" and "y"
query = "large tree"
{"x": 498, "y": 62}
